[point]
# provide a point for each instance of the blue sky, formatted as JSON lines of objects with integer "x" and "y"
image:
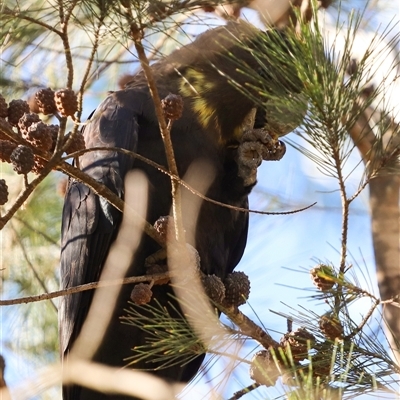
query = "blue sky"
{"x": 281, "y": 248}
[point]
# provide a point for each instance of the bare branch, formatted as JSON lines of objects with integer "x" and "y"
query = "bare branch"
{"x": 31, "y": 266}
{"x": 183, "y": 183}
{"x": 106, "y": 193}
{"x": 84, "y": 81}
{"x": 166, "y": 136}
{"x": 85, "y": 287}
{"x": 248, "y": 327}
{"x": 20, "y": 15}
{"x": 240, "y": 393}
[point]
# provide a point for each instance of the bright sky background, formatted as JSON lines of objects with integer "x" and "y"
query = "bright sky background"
{"x": 281, "y": 249}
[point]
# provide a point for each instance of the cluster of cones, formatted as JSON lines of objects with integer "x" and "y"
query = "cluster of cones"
{"x": 33, "y": 136}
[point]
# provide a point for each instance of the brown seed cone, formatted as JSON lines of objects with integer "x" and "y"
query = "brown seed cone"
{"x": 16, "y": 109}
{"x": 172, "y": 106}
{"x": 39, "y": 164}
{"x": 78, "y": 143}
{"x": 331, "y": 327}
{"x": 263, "y": 369}
{"x": 26, "y": 121}
{"x": 45, "y": 101}
{"x": 214, "y": 288}
{"x": 237, "y": 289}
{"x": 323, "y": 277}
{"x": 298, "y": 343}
{"x": 22, "y": 159}
{"x": 3, "y": 192}
{"x": 141, "y": 293}
{"x": 66, "y": 101}
{"x": 3, "y": 107}
{"x": 39, "y": 135}
{"x": 6, "y": 149}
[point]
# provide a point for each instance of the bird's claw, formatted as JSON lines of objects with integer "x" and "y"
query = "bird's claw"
{"x": 248, "y": 160}
{"x": 272, "y": 149}
{"x": 156, "y": 258}
{"x": 275, "y": 152}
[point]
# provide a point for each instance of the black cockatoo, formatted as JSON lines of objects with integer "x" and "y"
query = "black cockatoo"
{"x": 222, "y": 76}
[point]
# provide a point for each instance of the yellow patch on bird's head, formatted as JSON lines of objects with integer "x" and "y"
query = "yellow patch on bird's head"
{"x": 196, "y": 86}
{"x": 208, "y": 101}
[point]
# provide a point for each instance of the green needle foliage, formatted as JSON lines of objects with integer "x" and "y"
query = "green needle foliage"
{"x": 331, "y": 100}
{"x": 337, "y": 100}
{"x": 172, "y": 342}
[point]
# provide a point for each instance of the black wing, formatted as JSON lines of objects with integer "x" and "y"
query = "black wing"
{"x": 89, "y": 223}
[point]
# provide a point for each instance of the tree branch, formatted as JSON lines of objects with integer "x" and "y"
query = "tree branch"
{"x": 85, "y": 287}
{"x": 240, "y": 393}
{"x": 183, "y": 183}
{"x": 248, "y": 327}
{"x": 20, "y": 15}
{"x": 166, "y": 137}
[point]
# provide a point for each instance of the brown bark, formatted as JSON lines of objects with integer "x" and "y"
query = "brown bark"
{"x": 384, "y": 204}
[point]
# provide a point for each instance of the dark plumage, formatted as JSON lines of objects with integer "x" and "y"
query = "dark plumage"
{"x": 207, "y": 75}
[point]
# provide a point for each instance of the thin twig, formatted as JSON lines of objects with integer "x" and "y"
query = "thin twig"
{"x": 31, "y": 266}
{"x": 61, "y": 10}
{"x": 363, "y": 322}
{"x": 360, "y": 189}
{"x": 70, "y": 9}
{"x": 154, "y": 52}
{"x": 106, "y": 193}
{"x": 166, "y": 137}
{"x": 345, "y": 207}
{"x": 99, "y": 188}
{"x": 85, "y": 287}
{"x": 345, "y": 219}
{"x": 77, "y": 174}
{"x": 64, "y": 19}
{"x": 248, "y": 327}
{"x": 394, "y": 302}
{"x": 240, "y": 393}
{"x": 352, "y": 288}
{"x": 89, "y": 65}
{"x": 36, "y": 231}
{"x": 228, "y": 355}
{"x": 61, "y": 133}
{"x": 23, "y": 196}
{"x": 182, "y": 182}
{"x": 30, "y": 187}
{"x": 103, "y": 65}
{"x": 20, "y": 15}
